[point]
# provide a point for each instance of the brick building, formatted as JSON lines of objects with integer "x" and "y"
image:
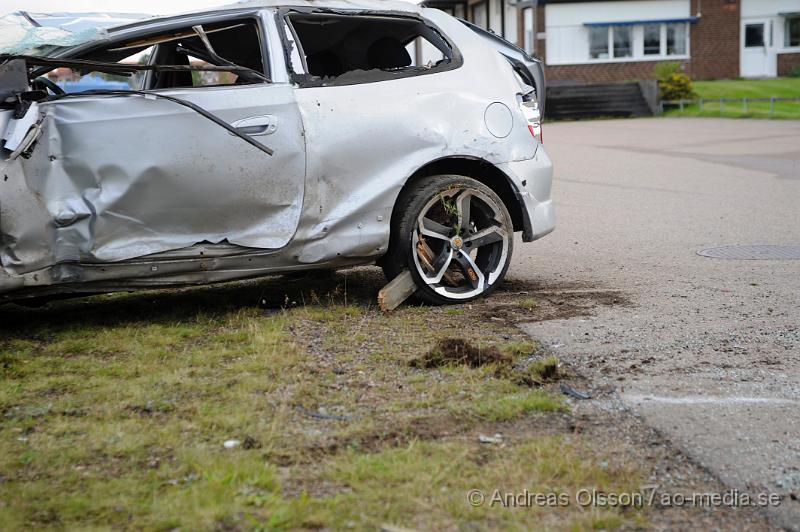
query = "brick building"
{"x": 618, "y": 40}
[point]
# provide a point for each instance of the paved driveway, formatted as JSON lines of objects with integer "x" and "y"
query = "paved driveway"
{"x": 709, "y": 352}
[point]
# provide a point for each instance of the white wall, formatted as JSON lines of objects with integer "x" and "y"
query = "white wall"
{"x": 568, "y": 38}
{"x": 768, "y": 8}
{"x": 582, "y": 12}
{"x": 512, "y": 30}
{"x": 758, "y": 10}
{"x": 495, "y": 18}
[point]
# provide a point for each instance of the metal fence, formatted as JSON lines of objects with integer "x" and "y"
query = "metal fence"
{"x": 744, "y": 103}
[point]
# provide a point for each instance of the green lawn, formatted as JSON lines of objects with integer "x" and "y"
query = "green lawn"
{"x": 114, "y": 413}
{"x": 762, "y": 88}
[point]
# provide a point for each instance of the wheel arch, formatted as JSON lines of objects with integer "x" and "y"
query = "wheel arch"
{"x": 480, "y": 170}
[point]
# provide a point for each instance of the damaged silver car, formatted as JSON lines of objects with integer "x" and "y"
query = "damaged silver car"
{"x": 266, "y": 137}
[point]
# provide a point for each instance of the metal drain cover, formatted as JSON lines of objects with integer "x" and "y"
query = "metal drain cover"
{"x": 761, "y": 252}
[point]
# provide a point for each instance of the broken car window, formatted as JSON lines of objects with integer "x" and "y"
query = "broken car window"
{"x": 342, "y": 49}
{"x": 74, "y": 80}
{"x": 189, "y": 51}
{"x": 423, "y": 53}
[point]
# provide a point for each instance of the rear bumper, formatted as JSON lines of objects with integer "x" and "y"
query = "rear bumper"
{"x": 533, "y": 180}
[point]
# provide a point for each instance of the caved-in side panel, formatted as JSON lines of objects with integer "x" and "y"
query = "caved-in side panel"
{"x": 124, "y": 177}
{"x": 369, "y": 138}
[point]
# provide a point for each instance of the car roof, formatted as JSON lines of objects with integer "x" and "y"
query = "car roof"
{"x": 401, "y": 6}
{"x": 110, "y": 21}
{"x": 349, "y": 5}
{"x": 367, "y": 5}
{"x": 80, "y": 28}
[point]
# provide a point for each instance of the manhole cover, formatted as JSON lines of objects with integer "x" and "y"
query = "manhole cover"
{"x": 763, "y": 252}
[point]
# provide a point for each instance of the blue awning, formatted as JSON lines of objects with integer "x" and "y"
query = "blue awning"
{"x": 789, "y": 14}
{"x": 637, "y": 22}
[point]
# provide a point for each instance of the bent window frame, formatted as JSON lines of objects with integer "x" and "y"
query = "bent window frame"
{"x": 357, "y": 77}
{"x": 121, "y": 36}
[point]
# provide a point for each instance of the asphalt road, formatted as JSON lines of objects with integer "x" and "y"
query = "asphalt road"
{"x": 708, "y": 353}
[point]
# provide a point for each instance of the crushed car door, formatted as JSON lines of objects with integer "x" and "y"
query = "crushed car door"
{"x": 120, "y": 176}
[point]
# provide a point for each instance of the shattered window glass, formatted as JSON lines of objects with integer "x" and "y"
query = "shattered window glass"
{"x": 222, "y": 53}
{"x": 71, "y": 80}
{"x": 364, "y": 46}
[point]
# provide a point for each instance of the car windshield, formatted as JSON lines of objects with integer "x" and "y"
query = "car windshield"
{"x": 42, "y": 34}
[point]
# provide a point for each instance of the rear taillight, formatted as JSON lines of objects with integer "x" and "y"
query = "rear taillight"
{"x": 530, "y": 110}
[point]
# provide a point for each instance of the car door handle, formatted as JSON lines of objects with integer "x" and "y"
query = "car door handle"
{"x": 257, "y": 125}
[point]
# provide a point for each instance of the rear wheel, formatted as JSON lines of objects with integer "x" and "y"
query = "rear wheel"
{"x": 454, "y": 235}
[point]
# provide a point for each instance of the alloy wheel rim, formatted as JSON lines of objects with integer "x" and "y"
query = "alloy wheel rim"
{"x": 460, "y": 243}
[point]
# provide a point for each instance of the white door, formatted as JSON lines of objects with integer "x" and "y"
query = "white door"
{"x": 758, "y": 57}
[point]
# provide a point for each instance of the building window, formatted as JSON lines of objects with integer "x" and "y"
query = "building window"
{"x": 652, "y": 39}
{"x": 528, "y": 30}
{"x": 598, "y": 42}
{"x": 792, "y": 32}
{"x": 622, "y": 41}
{"x": 753, "y": 35}
{"x": 601, "y": 37}
{"x": 676, "y": 39}
{"x": 480, "y": 15}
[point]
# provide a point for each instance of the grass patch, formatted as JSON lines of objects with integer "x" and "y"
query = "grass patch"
{"x": 517, "y": 350}
{"x": 751, "y": 88}
{"x": 757, "y": 88}
{"x": 114, "y": 411}
{"x": 514, "y": 405}
{"x": 424, "y": 485}
{"x": 540, "y": 371}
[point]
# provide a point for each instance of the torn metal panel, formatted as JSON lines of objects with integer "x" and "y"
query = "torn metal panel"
{"x": 119, "y": 178}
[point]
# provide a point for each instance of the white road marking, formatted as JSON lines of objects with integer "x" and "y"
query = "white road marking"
{"x": 705, "y": 399}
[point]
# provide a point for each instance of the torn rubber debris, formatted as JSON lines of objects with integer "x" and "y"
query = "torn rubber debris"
{"x": 572, "y": 392}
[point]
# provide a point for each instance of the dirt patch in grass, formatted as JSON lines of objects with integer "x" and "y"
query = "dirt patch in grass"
{"x": 525, "y": 301}
{"x": 460, "y": 352}
{"x": 539, "y": 371}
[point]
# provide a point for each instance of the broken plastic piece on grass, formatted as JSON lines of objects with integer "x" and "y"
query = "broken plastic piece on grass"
{"x": 231, "y": 444}
{"x": 319, "y": 415}
{"x": 497, "y": 438}
{"x": 572, "y": 392}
